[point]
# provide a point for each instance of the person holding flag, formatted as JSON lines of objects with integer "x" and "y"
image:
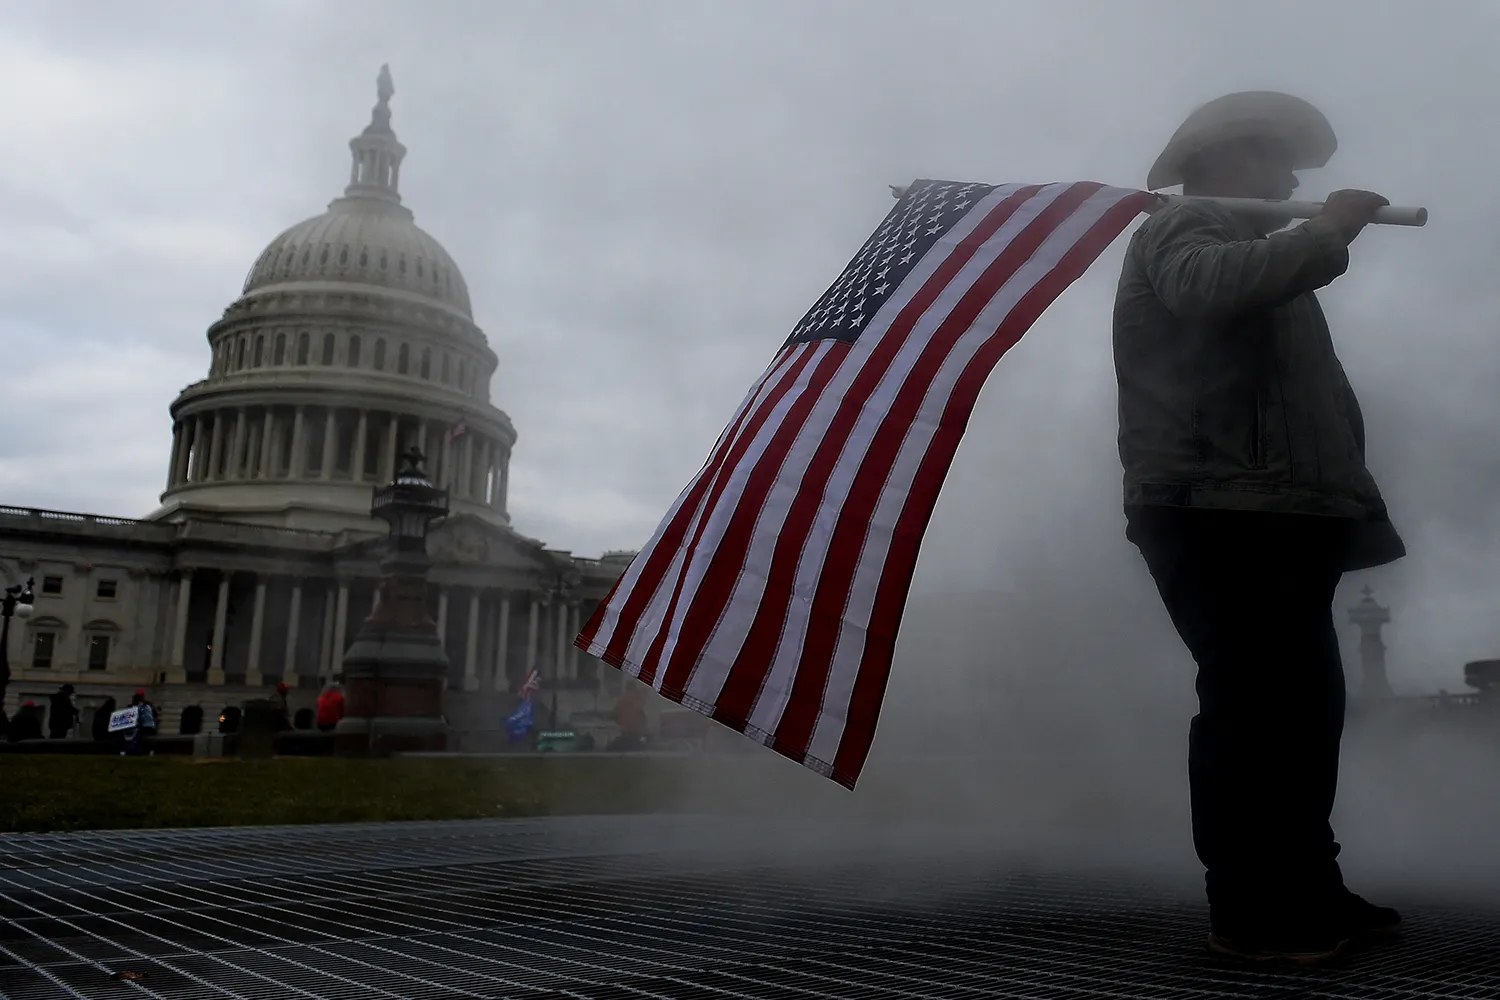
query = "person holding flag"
{"x": 1247, "y": 494}
{"x": 523, "y": 720}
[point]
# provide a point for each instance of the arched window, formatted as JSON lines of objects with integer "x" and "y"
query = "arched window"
{"x": 446, "y": 372}
{"x": 46, "y": 634}
{"x": 260, "y": 350}
{"x": 99, "y": 637}
{"x": 380, "y": 355}
{"x": 403, "y": 359}
{"x": 239, "y": 356}
{"x": 354, "y": 346}
{"x": 303, "y": 345}
{"x": 328, "y": 344}
{"x": 279, "y": 357}
{"x": 426, "y": 363}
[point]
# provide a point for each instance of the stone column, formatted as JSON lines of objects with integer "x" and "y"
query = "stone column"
{"x": 289, "y": 667}
{"x": 466, "y": 455}
{"x": 560, "y": 654}
{"x": 178, "y": 673}
{"x": 533, "y": 632}
{"x": 199, "y": 457}
{"x": 267, "y": 435}
{"x": 574, "y": 627}
{"x": 442, "y": 619}
{"x": 325, "y": 657}
{"x": 471, "y": 647}
{"x": 176, "y": 458}
{"x": 297, "y": 468}
{"x": 392, "y": 444}
{"x": 237, "y": 455}
{"x": 502, "y": 645}
{"x": 445, "y": 465}
{"x": 216, "y": 447}
{"x": 340, "y": 626}
{"x": 257, "y": 623}
{"x": 357, "y": 466}
{"x": 330, "y": 443}
{"x": 183, "y": 455}
{"x": 221, "y": 621}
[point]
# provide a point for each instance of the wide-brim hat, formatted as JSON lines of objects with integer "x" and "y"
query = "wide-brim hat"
{"x": 1249, "y": 114}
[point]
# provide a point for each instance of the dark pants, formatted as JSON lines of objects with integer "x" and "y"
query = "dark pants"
{"x": 1251, "y": 595}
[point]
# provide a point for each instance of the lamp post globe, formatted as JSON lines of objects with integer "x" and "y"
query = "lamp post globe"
{"x": 409, "y": 504}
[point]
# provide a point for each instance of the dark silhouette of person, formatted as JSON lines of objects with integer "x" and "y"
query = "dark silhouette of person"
{"x": 1247, "y": 494}
{"x": 100, "y": 727}
{"x": 62, "y": 714}
{"x": 26, "y": 724}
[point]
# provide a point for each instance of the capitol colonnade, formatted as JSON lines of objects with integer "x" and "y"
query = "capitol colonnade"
{"x": 291, "y": 629}
{"x": 294, "y": 442}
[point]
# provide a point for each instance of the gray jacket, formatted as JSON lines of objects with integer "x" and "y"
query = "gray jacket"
{"x": 1231, "y": 394}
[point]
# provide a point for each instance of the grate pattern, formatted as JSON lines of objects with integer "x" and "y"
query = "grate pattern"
{"x": 631, "y": 908}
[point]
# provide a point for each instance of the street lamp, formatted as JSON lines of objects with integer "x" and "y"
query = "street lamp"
{"x": 409, "y": 504}
{"x": 395, "y": 669}
{"x": 16, "y": 604}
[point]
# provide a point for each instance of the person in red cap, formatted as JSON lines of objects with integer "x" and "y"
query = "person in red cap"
{"x": 330, "y": 706}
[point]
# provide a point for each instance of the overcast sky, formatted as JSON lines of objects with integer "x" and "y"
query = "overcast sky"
{"x": 644, "y": 198}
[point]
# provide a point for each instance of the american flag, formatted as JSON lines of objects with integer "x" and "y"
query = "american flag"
{"x": 770, "y": 596}
{"x": 458, "y": 430}
{"x": 530, "y": 685}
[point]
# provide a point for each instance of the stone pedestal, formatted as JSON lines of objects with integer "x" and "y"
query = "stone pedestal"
{"x": 394, "y": 671}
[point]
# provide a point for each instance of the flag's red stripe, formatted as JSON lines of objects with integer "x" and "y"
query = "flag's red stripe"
{"x": 836, "y": 577}
{"x": 736, "y": 456}
{"x": 659, "y": 559}
{"x": 683, "y": 514}
{"x": 757, "y": 653}
{"x": 901, "y": 560}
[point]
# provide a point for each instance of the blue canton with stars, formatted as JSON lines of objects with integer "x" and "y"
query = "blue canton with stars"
{"x": 925, "y": 212}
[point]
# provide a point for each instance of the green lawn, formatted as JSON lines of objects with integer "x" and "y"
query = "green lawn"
{"x": 44, "y": 792}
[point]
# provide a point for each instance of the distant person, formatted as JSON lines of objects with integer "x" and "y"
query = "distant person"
{"x": 1247, "y": 493}
{"x": 145, "y": 725}
{"x": 282, "y": 706}
{"x": 100, "y": 727}
{"x": 62, "y": 714}
{"x": 26, "y": 724}
{"x": 330, "y": 706}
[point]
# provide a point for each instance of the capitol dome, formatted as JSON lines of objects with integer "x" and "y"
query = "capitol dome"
{"x": 352, "y": 340}
{"x": 366, "y": 241}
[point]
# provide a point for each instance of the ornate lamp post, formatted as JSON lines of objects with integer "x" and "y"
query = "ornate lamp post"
{"x": 395, "y": 668}
{"x": 1370, "y": 616}
{"x": 17, "y": 603}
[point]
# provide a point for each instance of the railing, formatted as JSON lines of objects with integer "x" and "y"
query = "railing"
{"x": 64, "y": 515}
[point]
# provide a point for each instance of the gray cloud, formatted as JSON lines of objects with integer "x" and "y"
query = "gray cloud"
{"x": 646, "y": 196}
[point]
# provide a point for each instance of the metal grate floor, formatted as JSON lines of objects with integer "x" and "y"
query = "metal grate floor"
{"x": 674, "y": 908}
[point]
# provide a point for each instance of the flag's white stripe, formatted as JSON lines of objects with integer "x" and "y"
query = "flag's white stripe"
{"x": 718, "y": 656}
{"x": 870, "y": 569}
{"x": 777, "y": 689}
{"x": 610, "y": 621}
{"x": 715, "y": 519}
{"x": 654, "y": 611}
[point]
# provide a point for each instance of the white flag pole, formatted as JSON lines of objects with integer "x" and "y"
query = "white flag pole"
{"x": 1390, "y": 215}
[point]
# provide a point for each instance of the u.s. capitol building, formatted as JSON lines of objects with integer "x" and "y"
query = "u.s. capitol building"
{"x": 353, "y": 340}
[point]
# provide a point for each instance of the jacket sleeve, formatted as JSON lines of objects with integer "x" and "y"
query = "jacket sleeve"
{"x": 1201, "y": 270}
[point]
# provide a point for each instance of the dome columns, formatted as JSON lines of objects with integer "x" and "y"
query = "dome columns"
{"x": 353, "y": 444}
